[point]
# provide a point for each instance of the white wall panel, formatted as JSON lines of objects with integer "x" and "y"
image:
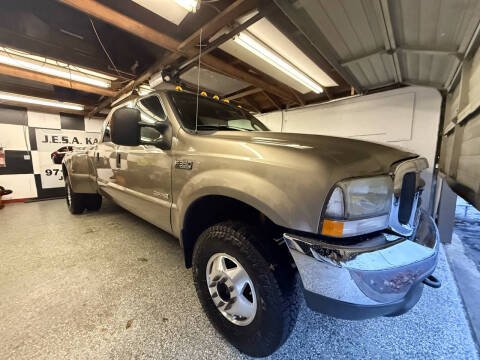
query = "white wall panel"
{"x": 386, "y": 118}
{"x": 406, "y": 118}
{"x": 93, "y": 124}
{"x": 43, "y": 120}
{"x": 14, "y": 137}
{"x": 272, "y": 120}
{"x": 36, "y": 162}
{"x": 23, "y": 186}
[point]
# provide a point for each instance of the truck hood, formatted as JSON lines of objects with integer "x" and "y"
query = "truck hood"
{"x": 343, "y": 157}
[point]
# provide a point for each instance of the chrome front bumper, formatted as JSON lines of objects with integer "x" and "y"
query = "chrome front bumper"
{"x": 381, "y": 275}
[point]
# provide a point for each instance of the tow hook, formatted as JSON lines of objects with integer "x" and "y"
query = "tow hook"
{"x": 432, "y": 281}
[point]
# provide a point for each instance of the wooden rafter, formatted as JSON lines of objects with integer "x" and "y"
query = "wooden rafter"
{"x": 248, "y": 104}
{"x": 298, "y": 98}
{"x": 272, "y": 101}
{"x": 244, "y": 93}
{"x": 180, "y": 49}
{"x": 252, "y": 102}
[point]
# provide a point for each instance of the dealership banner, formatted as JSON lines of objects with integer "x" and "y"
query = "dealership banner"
{"x": 51, "y": 140}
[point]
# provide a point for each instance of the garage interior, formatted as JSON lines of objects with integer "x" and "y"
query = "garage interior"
{"x": 107, "y": 284}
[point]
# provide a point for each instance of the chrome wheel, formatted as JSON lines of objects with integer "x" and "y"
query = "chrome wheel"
{"x": 231, "y": 289}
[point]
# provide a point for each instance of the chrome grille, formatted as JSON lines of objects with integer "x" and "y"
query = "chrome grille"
{"x": 407, "y": 190}
{"x": 407, "y": 196}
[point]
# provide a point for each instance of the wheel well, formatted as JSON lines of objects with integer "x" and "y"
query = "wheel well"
{"x": 212, "y": 209}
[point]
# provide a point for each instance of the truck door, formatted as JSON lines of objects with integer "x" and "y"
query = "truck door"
{"x": 144, "y": 172}
{"x": 103, "y": 159}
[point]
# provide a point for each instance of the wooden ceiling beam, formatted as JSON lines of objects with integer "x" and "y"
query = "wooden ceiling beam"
{"x": 117, "y": 19}
{"x": 298, "y": 98}
{"x": 53, "y": 80}
{"x": 246, "y": 103}
{"x": 272, "y": 101}
{"x": 130, "y": 25}
{"x": 243, "y": 93}
{"x": 224, "y": 18}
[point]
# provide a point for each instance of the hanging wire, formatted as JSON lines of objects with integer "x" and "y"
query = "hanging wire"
{"x": 198, "y": 78}
{"x": 103, "y": 47}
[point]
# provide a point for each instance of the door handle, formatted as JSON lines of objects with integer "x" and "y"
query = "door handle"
{"x": 118, "y": 160}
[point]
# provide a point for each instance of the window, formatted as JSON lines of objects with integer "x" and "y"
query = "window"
{"x": 151, "y": 109}
{"x": 149, "y": 134}
{"x": 213, "y": 115}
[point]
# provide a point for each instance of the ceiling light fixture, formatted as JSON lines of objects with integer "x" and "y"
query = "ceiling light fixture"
{"x": 39, "y": 101}
{"x": 54, "y": 68}
{"x": 269, "y": 56}
{"x": 190, "y": 5}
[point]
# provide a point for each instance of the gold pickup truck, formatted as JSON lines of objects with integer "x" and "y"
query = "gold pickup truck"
{"x": 253, "y": 209}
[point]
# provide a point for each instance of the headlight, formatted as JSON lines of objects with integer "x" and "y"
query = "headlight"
{"x": 358, "y": 206}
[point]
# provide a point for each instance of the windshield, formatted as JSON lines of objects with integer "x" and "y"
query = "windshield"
{"x": 213, "y": 114}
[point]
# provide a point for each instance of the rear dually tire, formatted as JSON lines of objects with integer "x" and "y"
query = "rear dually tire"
{"x": 75, "y": 201}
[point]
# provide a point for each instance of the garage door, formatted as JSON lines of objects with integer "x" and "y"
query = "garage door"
{"x": 460, "y": 148}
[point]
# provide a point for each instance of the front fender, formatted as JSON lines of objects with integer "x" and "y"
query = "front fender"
{"x": 274, "y": 202}
{"x": 79, "y": 172}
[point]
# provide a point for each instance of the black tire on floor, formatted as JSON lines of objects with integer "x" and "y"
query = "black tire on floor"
{"x": 93, "y": 202}
{"x": 274, "y": 282}
{"x": 75, "y": 201}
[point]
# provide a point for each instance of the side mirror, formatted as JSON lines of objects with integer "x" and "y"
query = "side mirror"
{"x": 125, "y": 127}
{"x": 164, "y": 129}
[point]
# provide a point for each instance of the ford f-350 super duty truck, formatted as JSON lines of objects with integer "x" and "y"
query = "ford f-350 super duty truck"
{"x": 253, "y": 208}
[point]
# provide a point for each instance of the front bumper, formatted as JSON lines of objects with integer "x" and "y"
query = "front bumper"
{"x": 381, "y": 275}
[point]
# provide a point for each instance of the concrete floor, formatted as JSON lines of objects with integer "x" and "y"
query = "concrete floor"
{"x": 107, "y": 285}
{"x": 465, "y": 270}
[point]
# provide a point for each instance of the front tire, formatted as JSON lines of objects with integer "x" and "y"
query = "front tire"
{"x": 93, "y": 202}
{"x": 75, "y": 201}
{"x": 257, "y": 313}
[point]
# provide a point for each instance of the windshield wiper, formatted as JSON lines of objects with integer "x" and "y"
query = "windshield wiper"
{"x": 221, "y": 127}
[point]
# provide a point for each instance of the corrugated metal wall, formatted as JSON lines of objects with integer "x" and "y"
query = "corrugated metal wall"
{"x": 460, "y": 152}
{"x": 382, "y": 42}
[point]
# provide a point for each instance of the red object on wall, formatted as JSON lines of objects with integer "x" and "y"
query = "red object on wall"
{"x": 2, "y": 158}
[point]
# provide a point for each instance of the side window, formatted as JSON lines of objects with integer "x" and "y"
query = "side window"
{"x": 151, "y": 111}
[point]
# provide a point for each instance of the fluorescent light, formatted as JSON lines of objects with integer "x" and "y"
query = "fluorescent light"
{"x": 39, "y": 101}
{"x": 17, "y": 53}
{"x": 50, "y": 67}
{"x": 190, "y": 5}
{"x": 262, "y": 52}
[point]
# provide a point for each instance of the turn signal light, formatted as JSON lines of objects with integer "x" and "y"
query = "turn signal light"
{"x": 332, "y": 228}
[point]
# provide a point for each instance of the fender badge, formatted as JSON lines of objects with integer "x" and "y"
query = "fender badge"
{"x": 184, "y": 164}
